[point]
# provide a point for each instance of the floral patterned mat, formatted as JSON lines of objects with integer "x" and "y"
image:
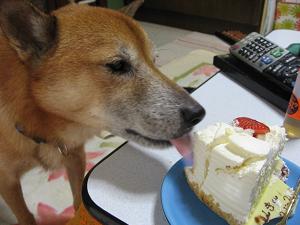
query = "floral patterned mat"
{"x": 287, "y": 15}
{"x": 48, "y": 194}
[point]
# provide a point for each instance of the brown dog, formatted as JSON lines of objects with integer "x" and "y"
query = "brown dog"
{"x": 67, "y": 76}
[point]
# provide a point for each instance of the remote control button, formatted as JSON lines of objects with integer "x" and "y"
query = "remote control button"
{"x": 261, "y": 54}
{"x": 279, "y": 73}
{"x": 288, "y": 74}
{"x": 260, "y": 49}
{"x": 267, "y": 50}
{"x": 276, "y": 53}
{"x": 251, "y": 56}
{"x": 277, "y": 68}
{"x": 293, "y": 70}
{"x": 269, "y": 69}
{"x": 290, "y": 59}
{"x": 242, "y": 51}
{"x": 266, "y": 60}
{"x": 249, "y": 49}
{"x": 248, "y": 54}
{"x": 257, "y": 39}
{"x": 255, "y": 58}
{"x": 296, "y": 63}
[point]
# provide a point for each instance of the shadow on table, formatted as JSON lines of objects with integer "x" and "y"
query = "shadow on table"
{"x": 159, "y": 217}
{"x": 132, "y": 170}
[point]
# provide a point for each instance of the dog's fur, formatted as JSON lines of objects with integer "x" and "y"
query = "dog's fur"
{"x": 67, "y": 76}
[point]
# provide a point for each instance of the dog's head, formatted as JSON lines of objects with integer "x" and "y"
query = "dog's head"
{"x": 95, "y": 66}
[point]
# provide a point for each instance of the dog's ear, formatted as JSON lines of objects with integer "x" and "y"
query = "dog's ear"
{"x": 29, "y": 31}
{"x": 131, "y": 9}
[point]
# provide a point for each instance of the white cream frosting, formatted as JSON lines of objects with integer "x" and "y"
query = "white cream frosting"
{"x": 228, "y": 162}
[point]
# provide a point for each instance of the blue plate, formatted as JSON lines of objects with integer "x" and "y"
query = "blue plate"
{"x": 182, "y": 207}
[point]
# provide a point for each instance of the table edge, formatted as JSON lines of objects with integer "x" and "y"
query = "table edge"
{"x": 92, "y": 208}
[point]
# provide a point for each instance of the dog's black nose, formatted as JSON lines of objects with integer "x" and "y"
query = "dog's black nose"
{"x": 192, "y": 115}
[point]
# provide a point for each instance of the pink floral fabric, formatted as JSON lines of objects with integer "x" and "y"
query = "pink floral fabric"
{"x": 89, "y": 165}
{"x": 206, "y": 70}
{"x": 48, "y": 194}
{"x": 287, "y": 15}
{"x": 47, "y": 215}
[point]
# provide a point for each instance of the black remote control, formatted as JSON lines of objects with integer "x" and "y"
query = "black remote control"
{"x": 274, "y": 62}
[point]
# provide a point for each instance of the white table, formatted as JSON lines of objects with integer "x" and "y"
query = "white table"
{"x": 127, "y": 184}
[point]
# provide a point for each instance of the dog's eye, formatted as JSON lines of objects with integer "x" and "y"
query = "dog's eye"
{"x": 119, "y": 66}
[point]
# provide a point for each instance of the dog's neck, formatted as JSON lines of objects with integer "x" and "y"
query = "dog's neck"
{"x": 46, "y": 128}
{"x": 62, "y": 148}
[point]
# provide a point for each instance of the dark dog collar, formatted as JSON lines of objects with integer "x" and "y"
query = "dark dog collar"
{"x": 62, "y": 148}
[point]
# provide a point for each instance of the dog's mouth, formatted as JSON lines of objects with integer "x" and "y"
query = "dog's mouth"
{"x": 182, "y": 143}
{"x": 144, "y": 139}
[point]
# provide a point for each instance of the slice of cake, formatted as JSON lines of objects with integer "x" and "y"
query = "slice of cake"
{"x": 238, "y": 172}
